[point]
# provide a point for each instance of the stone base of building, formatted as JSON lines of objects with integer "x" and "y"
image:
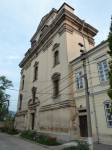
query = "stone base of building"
{"x": 62, "y": 137}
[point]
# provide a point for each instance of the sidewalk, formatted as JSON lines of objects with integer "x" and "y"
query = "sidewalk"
{"x": 96, "y": 146}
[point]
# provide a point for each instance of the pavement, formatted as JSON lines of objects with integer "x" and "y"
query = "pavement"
{"x": 13, "y": 142}
{"x": 10, "y": 142}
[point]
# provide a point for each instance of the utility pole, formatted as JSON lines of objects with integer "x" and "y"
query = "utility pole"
{"x": 7, "y": 111}
{"x": 90, "y": 140}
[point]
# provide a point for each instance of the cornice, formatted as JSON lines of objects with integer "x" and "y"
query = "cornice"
{"x": 64, "y": 14}
{"x": 63, "y": 104}
{"x": 41, "y": 25}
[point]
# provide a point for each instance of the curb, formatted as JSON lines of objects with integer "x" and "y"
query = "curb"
{"x": 38, "y": 143}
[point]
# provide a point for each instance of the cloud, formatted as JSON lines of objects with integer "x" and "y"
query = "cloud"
{"x": 13, "y": 57}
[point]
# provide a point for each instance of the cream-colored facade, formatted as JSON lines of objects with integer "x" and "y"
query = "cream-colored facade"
{"x": 98, "y": 85}
{"x": 59, "y": 31}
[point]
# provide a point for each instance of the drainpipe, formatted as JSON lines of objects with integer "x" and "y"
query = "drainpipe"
{"x": 97, "y": 137}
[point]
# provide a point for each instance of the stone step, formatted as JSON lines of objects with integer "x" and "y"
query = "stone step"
{"x": 83, "y": 139}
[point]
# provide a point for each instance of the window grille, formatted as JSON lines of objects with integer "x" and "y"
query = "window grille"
{"x": 79, "y": 80}
{"x": 108, "y": 116}
{"x": 103, "y": 71}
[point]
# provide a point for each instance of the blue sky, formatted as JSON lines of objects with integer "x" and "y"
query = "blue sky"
{"x": 19, "y": 20}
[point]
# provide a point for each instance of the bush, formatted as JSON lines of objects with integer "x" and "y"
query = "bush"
{"x": 80, "y": 146}
{"x": 8, "y": 130}
{"x": 40, "y": 138}
{"x": 4, "y": 128}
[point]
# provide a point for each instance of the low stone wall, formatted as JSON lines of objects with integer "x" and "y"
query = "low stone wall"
{"x": 9, "y": 124}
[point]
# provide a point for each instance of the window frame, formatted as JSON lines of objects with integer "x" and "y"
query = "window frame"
{"x": 108, "y": 114}
{"x": 36, "y": 73}
{"x": 56, "y": 87}
{"x": 56, "y": 59}
{"x": 79, "y": 80}
{"x": 20, "y": 104}
{"x": 35, "y": 66}
{"x": 55, "y": 79}
{"x": 101, "y": 62}
{"x": 22, "y": 84}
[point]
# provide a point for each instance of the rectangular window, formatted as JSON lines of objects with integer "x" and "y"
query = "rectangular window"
{"x": 108, "y": 116}
{"x": 103, "y": 71}
{"x": 79, "y": 80}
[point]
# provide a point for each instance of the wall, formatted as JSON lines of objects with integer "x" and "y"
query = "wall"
{"x": 99, "y": 92}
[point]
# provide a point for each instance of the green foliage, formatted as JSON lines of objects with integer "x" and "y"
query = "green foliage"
{"x": 8, "y": 130}
{"x": 4, "y": 84}
{"x": 109, "y": 92}
{"x": 40, "y": 138}
{"x": 80, "y": 146}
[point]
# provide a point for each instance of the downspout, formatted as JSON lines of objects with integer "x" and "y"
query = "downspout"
{"x": 97, "y": 137}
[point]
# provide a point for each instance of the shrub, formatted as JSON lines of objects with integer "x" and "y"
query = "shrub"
{"x": 5, "y": 128}
{"x": 80, "y": 146}
{"x": 8, "y": 130}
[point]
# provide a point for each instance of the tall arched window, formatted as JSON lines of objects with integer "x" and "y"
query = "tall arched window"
{"x": 21, "y": 96}
{"x": 55, "y": 78}
{"x": 23, "y": 85}
{"x": 56, "y": 57}
{"x": 36, "y": 73}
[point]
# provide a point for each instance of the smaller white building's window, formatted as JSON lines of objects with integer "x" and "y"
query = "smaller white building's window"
{"x": 108, "y": 116}
{"x": 103, "y": 71}
{"x": 79, "y": 80}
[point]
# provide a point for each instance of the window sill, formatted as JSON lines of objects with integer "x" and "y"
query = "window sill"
{"x": 55, "y": 96}
{"x": 56, "y": 65}
{"x": 35, "y": 80}
{"x": 80, "y": 90}
{"x": 104, "y": 83}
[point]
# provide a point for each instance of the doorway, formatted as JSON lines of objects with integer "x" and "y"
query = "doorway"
{"x": 33, "y": 120}
{"x": 83, "y": 126}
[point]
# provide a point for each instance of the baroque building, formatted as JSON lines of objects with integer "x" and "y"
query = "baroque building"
{"x": 46, "y": 101}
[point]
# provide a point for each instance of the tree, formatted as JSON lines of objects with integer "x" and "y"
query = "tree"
{"x": 109, "y": 92}
{"x": 4, "y": 84}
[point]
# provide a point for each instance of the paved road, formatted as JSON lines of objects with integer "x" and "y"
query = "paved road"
{"x": 9, "y": 142}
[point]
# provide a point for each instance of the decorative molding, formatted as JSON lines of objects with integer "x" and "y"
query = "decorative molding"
{"x": 47, "y": 45}
{"x": 36, "y": 63}
{"x": 65, "y": 28}
{"x": 21, "y": 72}
{"x": 95, "y": 93}
{"x": 63, "y": 104}
{"x": 91, "y": 41}
{"x": 100, "y": 57}
{"x": 78, "y": 68}
{"x": 32, "y": 105}
{"x": 55, "y": 76}
{"x": 33, "y": 89}
{"x": 55, "y": 46}
{"x": 107, "y": 101}
{"x": 27, "y": 65}
{"x": 21, "y": 113}
{"x": 23, "y": 76}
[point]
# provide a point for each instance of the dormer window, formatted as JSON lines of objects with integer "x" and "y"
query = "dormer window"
{"x": 43, "y": 29}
